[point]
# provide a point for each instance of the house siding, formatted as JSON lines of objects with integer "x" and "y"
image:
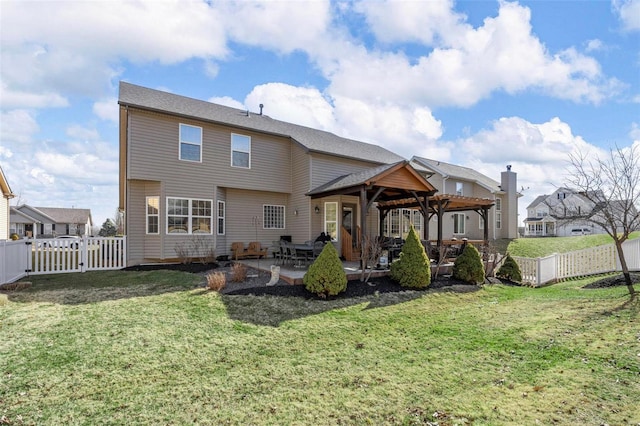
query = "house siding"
{"x": 4, "y": 218}
{"x": 325, "y": 168}
{"x": 245, "y": 205}
{"x": 155, "y": 155}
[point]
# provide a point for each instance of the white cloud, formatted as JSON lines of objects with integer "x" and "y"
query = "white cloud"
{"x": 283, "y": 26}
{"x": 75, "y": 47}
{"x": 18, "y": 127}
{"x": 629, "y": 13}
{"x": 82, "y": 133}
{"x": 300, "y": 105}
{"x": 226, "y": 101}
{"x": 594, "y": 45}
{"x": 467, "y": 64}
{"x": 107, "y": 109}
{"x": 401, "y": 21}
{"x": 634, "y": 134}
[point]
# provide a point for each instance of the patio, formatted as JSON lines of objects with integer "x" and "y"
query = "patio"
{"x": 294, "y": 275}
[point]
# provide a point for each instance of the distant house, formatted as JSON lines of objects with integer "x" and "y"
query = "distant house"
{"x": 193, "y": 169}
{"x": 4, "y": 206}
{"x": 459, "y": 181}
{"x": 563, "y": 213}
{"x": 46, "y": 222}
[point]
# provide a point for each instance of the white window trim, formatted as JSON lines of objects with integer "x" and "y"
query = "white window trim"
{"x": 189, "y": 217}
{"x": 325, "y": 221}
{"x": 146, "y": 206}
{"x": 180, "y": 142}
{"x": 464, "y": 225}
{"x": 284, "y": 216}
{"x": 237, "y": 150}
{"x": 223, "y": 217}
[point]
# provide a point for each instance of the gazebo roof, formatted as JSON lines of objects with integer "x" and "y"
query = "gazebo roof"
{"x": 450, "y": 202}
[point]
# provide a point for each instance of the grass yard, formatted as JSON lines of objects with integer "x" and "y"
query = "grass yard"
{"x": 541, "y": 247}
{"x": 153, "y": 348}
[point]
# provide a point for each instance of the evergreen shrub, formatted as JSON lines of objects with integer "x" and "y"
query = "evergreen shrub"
{"x": 509, "y": 270}
{"x": 468, "y": 266}
{"x": 326, "y": 276}
{"x": 412, "y": 269}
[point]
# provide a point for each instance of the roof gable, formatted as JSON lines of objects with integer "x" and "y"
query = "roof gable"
{"x": 311, "y": 139}
{"x": 4, "y": 185}
{"x": 459, "y": 172}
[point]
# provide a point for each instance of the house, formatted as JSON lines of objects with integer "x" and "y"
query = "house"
{"x": 563, "y": 213}
{"x": 193, "y": 170}
{"x": 459, "y": 181}
{"x": 46, "y": 222}
{"x": 4, "y": 206}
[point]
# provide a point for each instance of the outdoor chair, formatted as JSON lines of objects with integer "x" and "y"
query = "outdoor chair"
{"x": 238, "y": 251}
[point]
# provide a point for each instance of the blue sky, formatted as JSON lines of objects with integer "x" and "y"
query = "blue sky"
{"x": 477, "y": 83}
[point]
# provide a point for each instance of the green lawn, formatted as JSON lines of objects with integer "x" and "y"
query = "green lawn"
{"x": 540, "y": 247}
{"x": 152, "y": 348}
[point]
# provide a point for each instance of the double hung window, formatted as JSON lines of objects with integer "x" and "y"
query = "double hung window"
{"x": 190, "y": 143}
{"x": 153, "y": 215}
{"x": 498, "y": 213}
{"x": 240, "y": 151}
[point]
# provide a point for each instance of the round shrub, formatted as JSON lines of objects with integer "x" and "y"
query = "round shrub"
{"x": 412, "y": 269}
{"x": 326, "y": 276}
{"x": 509, "y": 270}
{"x": 468, "y": 266}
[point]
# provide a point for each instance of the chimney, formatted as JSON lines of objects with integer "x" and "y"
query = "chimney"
{"x": 509, "y": 184}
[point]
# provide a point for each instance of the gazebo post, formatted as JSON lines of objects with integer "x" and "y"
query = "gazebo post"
{"x": 363, "y": 227}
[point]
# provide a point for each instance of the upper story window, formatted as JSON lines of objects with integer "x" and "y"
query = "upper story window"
{"x": 459, "y": 188}
{"x": 272, "y": 216}
{"x": 189, "y": 216}
{"x": 561, "y": 195}
{"x": 190, "y": 143}
{"x": 240, "y": 151}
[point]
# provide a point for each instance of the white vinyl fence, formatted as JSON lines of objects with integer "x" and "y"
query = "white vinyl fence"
{"x": 590, "y": 261}
{"x": 60, "y": 255}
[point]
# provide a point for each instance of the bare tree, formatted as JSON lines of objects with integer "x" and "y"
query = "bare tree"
{"x": 612, "y": 184}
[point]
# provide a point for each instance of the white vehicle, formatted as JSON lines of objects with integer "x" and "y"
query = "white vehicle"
{"x": 580, "y": 231}
{"x": 71, "y": 240}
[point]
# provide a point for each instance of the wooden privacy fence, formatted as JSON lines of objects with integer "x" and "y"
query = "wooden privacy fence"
{"x": 580, "y": 263}
{"x": 60, "y": 255}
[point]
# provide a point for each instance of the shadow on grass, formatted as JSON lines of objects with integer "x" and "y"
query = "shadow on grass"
{"x": 265, "y": 307}
{"x": 95, "y": 287}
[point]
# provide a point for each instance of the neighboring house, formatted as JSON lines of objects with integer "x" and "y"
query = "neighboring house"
{"x": 563, "y": 213}
{"x": 4, "y": 206}
{"x": 47, "y": 222}
{"x": 190, "y": 169}
{"x": 466, "y": 182}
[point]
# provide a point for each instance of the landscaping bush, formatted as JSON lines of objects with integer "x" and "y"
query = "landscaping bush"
{"x": 238, "y": 272}
{"x": 325, "y": 276}
{"x": 216, "y": 281}
{"x": 468, "y": 266}
{"x": 412, "y": 269}
{"x": 510, "y": 270}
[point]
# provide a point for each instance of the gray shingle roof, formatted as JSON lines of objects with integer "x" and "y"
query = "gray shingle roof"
{"x": 539, "y": 199}
{"x": 312, "y": 139}
{"x": 63, "y": 215}
{"x": 460, "y": 172}
{"x": 352, "y": 179}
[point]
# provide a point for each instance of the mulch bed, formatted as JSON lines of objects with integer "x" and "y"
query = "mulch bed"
{"x": 613, "y": 281}
{"x": 255, "y": 283}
